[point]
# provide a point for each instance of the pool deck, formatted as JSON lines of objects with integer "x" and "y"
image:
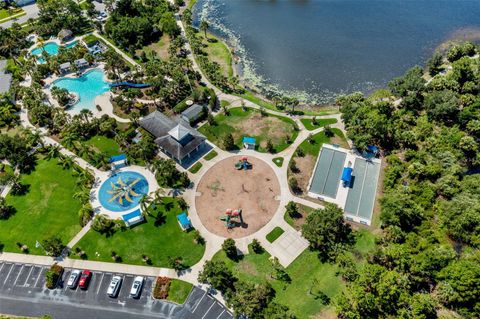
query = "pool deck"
{"x": 101, "y": 177}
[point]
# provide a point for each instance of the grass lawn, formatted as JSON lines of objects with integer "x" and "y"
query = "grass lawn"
{"x": 218, "y": 52}
{"x": 179, "y": 291}
{"x": 278, "y": 161}
{"x": 158, "y": 242}
{"x": 104, "y": 144}
{"x": 274, "y": 234}
{"x": 251, "y": 123}
{"x": 4, "y": 13}
{"x": 308, "y": 123}
{"x": 195, "y": 168}
{"x": 210, "y": 155}
{"x": 47, "y": 208}
{"x": 160, "y": 48}
{"x": 310, "y": 278}
{"x": 297, "y": 223}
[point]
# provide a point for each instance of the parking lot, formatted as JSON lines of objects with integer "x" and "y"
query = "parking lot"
{"x": 27, "y": 282}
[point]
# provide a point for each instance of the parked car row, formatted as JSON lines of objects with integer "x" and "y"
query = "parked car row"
{"x": 82, "y": 279}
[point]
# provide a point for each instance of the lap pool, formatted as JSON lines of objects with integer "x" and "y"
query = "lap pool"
{"x": 88, "y": 87}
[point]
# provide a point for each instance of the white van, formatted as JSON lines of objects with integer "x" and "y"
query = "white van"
{"x": 136, "y": 287}
{"x": 114, "y": 286}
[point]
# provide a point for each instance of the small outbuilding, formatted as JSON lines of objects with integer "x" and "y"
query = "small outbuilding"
{"x": 81, "y": 63}
{"x": 347, "y": 176}
{"x": 249, "y": 142}
{"x": 193, "y": 113}
{"x": 64, "y": 68}
{"x": 133, "y": 218}
{"x": 184, "y": 221}
{"x": 118, "y": 161}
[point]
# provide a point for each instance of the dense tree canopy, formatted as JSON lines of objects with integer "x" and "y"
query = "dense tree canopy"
{"x": 430, "y": 210}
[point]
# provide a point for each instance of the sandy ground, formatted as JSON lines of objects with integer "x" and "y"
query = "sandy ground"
{"x": 223, "y": 187}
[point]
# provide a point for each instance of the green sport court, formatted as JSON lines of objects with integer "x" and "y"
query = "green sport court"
{"x": 326, "y": 177}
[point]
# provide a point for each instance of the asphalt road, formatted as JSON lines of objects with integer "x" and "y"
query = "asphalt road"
{"x": 23, "y": 293}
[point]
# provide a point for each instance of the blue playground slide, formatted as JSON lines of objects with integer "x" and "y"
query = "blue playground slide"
{"x": 130, "y": 84}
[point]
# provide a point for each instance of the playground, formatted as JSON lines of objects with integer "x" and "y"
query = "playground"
{"x": 237, "y": 196}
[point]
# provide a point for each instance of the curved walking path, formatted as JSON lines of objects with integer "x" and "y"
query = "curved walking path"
{"x": 286, "y": 248}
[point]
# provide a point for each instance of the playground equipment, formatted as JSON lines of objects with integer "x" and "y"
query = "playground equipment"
{"x": 243, "y": 163}
{"x": 232, "y": 218}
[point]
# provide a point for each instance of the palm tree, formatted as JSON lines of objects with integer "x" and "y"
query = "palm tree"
{"x": 86, "y": 114}
{"x": 52, "y": 152}
{"x": 83, "y": 195}
{"x": 204, "y": 27}
{"x": 69, "y": 139}
{"x": 65, "y": 161}
{"x": 145, "y": 204}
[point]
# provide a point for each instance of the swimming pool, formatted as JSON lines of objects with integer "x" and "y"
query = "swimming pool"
{"x": 123, "y": 191}
{"x": 52, "y": 48}
{"x": 88, "y": 87}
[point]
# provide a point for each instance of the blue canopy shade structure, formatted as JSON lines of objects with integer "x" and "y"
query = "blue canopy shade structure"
{"x": 249, "y": 140}
{"x": 184, "y": 221}
{"x": 347, "y": 174}
{"x": 117, "y": 158}
{"x": 133, "y": 218}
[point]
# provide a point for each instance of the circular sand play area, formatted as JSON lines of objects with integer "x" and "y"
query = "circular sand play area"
{"x": 255, "y": 191}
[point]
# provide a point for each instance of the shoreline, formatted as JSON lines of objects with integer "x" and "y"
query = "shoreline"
{"x": 251, "y": 89}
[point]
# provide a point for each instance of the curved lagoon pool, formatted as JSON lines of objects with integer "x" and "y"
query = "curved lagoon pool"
{"x": 88, "y": 87}
{"x": 51, "y": 48}
{"x": 123, "y": 191}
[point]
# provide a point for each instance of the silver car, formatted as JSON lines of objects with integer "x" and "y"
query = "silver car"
{"x": 73, "y": 279}
{"x": 114, "y": 286}
{"x": 136, "y": 287}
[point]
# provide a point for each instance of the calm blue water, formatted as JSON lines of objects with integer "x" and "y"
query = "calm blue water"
{"x": 120, "y": 179}
{"x": 317, "y": 49}
{"x": 88, "y": 87}
{"x": 52, "y": 48}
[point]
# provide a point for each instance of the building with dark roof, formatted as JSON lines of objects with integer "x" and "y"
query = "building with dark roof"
{"x": 176, "y": 138}
{"x": 193, "y": 113}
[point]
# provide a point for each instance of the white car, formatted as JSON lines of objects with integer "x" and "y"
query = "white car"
{"x": 73, "y": 279}
{"x": 136, "y": 287}
{"x": 114, "y": 286}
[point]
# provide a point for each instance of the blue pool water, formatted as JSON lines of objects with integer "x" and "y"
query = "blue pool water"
{"x": 111, "y": 194}
{"x": 88, "y": 87}
{"x": 52, "y": 48}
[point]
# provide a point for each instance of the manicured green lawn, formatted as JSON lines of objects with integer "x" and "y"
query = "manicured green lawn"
{"x": 313, "y": 148}
{"x": 158, "y": 242}
{"x": 278, "y": 161}
{"x": 195, "y": 168}
{"x": 179, "y": 291}
{"x": 210, "y": 155}
{"x": 242, "y": 123}
{"x": 310, "y": 278}
{"x": 4, "y": 13}
{"x": 104, "y": 144}
{"x": 274, "y": 234}
{"x": 218, "y": 52}
{"x": 308, "y": 123}
{"x": 47, "y": 208}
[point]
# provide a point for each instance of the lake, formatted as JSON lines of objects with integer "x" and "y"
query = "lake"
{"x": 318, "y": 49}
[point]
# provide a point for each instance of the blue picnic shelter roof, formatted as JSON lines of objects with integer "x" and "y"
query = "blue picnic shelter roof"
{"x": 249, "y": 140}
{"x": 117, "y": 158}
{"x": 347, "y": 174}
{"x": 184, "y": 220}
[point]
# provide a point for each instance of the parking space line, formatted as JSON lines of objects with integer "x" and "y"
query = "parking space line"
{"x": 18, "y": 275}
{"x": 208, "y": 310}
{"x": 8, "y": 275}
{"x": 221, "y": 314}
{"x": 2, "y": 267}
{"x": 38, "y": 277}
{"x": 28, "y": 277}
{"x": 100, "y": 283}
{"x": 196, "y": 306}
